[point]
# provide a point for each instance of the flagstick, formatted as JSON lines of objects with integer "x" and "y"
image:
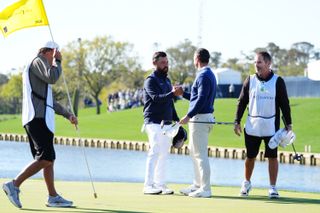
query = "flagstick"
{"x": 77, "y": 128}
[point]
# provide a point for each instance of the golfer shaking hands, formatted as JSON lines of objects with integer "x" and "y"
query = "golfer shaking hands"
{"x": 203, "y": 92}
{"x": 158, "y": 95}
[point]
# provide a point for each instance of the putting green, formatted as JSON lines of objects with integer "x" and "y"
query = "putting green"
{"x": 128, "y": 197}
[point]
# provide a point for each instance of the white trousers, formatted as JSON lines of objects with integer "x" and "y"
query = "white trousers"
{"x": 157, "y": 154}
{"x": 198, "y": 145}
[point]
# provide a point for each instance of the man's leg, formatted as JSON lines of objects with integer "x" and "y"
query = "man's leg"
{"x": 33, "y": 168}
{"x": 273, "y": 171}
{"x": 202, "y": 159}
{"x": 248, "y": 168}
{"x": 193, "y": 152}
{"x": 160, "y": 170}
{"x": 48, "y": 174}
{"x": 152, "y": 159}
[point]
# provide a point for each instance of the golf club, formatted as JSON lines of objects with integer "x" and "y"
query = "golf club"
{"x": 296, "y": 155}
{"x": 200, "y": 122}
{"x": 78, "y": 134}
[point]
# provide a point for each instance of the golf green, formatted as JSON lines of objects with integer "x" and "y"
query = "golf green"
{"x": 128, "y": 197}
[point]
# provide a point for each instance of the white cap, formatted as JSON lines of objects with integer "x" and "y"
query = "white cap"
{"x": 51, "y": 45}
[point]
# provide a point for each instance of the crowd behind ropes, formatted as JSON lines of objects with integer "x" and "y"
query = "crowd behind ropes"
{"x": 130, "y": 98}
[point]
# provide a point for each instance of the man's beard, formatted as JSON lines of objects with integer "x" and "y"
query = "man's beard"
{"x": 164, "y": 70}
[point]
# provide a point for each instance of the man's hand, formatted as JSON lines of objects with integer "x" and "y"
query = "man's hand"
{"x": 177, "y": 90}
{"x": 184, "y": 120}
{"x": 289, "y": 127}
{"x": 237, "y": 129}
{"x": 73, "y": 119}
{"x": 57, "y": 54}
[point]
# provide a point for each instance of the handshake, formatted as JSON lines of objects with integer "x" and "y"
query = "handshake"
{"x": 177, "y": 90}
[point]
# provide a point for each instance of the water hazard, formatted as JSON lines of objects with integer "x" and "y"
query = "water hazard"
{"x": 129, "y": 166}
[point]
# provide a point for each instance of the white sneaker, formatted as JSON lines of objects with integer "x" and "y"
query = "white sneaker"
{"x": 245, "y": 188}
{"x": 151, "y": 190}
{"x": 200, "y": 193}
{"x": 189, "y": 189}
{"x": 13, "y": 193}
{"x": 58, "y": 201}
{"x": 165, "y": 190}
{"x": 273, "y": 193}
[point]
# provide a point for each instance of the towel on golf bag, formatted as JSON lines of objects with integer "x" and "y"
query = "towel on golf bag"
{"x": 282, "y": 138}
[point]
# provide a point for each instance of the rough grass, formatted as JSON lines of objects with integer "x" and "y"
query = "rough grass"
{"x": 126, "y": 124}
{"x": 128, "y": 197}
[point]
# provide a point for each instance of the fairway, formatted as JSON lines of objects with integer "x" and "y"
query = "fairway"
{"x": 128, "y": 197}
{"x": 126, "y": 124}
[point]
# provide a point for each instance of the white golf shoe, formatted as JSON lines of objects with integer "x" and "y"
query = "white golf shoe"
{"x": 58, "y": 201}
{"x": 189, "y": 189}
{"x": 245, "y": 188}
{"x": 165, "y": 190}
{"x": 200, "y": 193}
{"x": 13, "y": 193}
{"x": 273, "y": 192}
{"x": 151, "y": 190}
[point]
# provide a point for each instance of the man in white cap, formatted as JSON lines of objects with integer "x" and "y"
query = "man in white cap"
{"x": 38, "y": 120}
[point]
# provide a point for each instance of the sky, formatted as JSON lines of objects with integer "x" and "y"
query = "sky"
{"x": 226, "y": 26}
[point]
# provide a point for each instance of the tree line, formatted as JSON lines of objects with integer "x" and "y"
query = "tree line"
{"x": 94, "y": 68}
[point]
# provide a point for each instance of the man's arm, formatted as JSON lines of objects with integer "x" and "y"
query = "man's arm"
{"x": 186, "y": 95}
{"x": 60, "y": 110}
{"x": 283, "y": 101}
{"x": 242, "y": 105}
{"x": 243, "y": 100}
{"x": 39, "y": 68}
{"x": 153, "y": 91}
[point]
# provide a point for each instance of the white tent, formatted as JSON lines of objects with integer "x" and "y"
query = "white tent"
{"x": 314, "y": 70}
{"x": 227, "y": 76}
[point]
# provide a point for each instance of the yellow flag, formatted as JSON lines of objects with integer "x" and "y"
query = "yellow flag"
{"x": 22, "y": 14}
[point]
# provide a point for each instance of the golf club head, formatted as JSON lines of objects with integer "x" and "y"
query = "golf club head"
{"x": 297, "y": 157}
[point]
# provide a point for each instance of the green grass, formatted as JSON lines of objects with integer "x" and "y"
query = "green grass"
{"x": 126, "y": 124}
{"x": 128, "y": 197}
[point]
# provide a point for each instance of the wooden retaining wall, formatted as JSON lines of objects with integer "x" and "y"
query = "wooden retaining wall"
{"x": 312, "y": 159}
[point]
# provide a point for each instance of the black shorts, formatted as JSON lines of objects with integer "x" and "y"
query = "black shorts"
{"x": 40, "y": 140}
{"x": 253, "y": 144}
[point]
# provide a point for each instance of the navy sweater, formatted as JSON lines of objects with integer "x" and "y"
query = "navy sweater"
{"x": 203, "y": 93}
{"x": 158, "y": 99}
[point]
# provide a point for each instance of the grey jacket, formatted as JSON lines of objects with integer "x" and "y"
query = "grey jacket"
{"x": 41, "y": 74}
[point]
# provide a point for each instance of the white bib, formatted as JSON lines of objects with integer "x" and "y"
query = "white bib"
{"x": 28, "y": 112}
{"x": 262, "y": 110}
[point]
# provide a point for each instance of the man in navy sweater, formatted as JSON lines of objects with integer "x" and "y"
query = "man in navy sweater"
{"x": 201, "y": 98}
{"x": 158, "y": 95}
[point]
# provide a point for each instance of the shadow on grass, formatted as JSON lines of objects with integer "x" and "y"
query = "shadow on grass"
{"x": 74, "y": 209}
{"x": 281, "y": 200}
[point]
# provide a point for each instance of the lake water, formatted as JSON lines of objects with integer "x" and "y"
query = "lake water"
{"x": 129, "y": 166}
